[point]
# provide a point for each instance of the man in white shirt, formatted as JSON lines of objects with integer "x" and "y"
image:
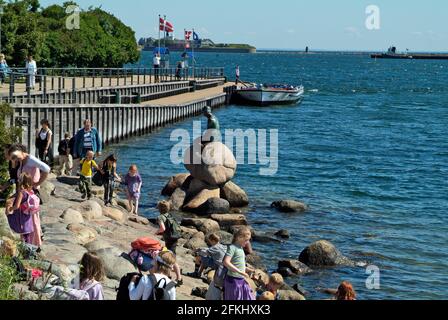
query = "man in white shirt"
{"x": 156, "y": 64}
{"x": 31, "y": 71}
{"x": 237, "y": 74}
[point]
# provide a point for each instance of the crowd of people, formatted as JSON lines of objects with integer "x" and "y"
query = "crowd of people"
{"x": 156, "y": 263}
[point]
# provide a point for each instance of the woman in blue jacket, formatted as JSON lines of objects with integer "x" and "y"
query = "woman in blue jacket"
{"x": 88, "y": 139}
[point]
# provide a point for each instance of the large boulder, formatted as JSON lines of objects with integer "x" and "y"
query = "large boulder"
{"x": 226, "y": 221}
{"x": 175, "y": 182}
{"x": 90, "y": 210}
{"x": 204, "y": 225}
{"x": 213, "y": 206}
{"x": 264, "y": 237}
{"x": 196, "y": 242}
{"x": 46, "y": 190}
{"x": 200, "y": 199}
{"x": 115, "y": 214}
{"x": 289, "y": 206}
{"x": 83, "y": 234}
{"x": 97, "y": 245}
{"x": 70, "y": 216}
{"x": 290, "y": 295}
{"x": 323, "y": 254}
{"x": 177, "y": 199}
{"x": 194, "y": 186}
{"x": 115, "y": 265}
{"x": 236, "y": 196}
{"x": 214, "y": 164}
{"x": 295, "y": 266}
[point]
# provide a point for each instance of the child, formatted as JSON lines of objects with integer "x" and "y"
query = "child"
{"x": 92, "y": 272}
{"x": 236, "y": 287}
{"x": 20, "y": 203}
{"x": 85, "y": 180}
{"x": 345, "y": 292}
{"x": 109, "y": 176}
{"x": 65, "y": 157}
{"x": 275, "y": 283}
{"x": 160, "y": 276}
{"x": 211, "y": 257}
{"x": 134, "y": 187}
{"x": 170, "y": 230}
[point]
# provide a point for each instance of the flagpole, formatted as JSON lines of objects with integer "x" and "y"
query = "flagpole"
{"x": 192, "y": 53}
{"x": 158, "y": 25}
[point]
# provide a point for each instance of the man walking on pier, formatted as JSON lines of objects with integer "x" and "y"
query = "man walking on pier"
{"x": 88, "y": 139}
{"x": 156, "y": 64}
{"x": 237, "y": 75}
{"x": 31, "y": 71}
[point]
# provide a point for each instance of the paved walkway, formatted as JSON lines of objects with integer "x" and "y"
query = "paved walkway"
{"x": 185, "y": 98}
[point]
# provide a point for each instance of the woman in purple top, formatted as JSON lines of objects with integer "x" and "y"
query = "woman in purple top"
{"x": 92, "y": 272}
{"x": 134, "y": 183}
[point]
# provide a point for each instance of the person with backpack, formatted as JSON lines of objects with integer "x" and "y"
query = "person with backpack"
{"x": 92, "y": 273}
{"x": 236, "y": 287}
{"x": 171, "y": 232}
{"x": 23, "y": 215}
{"x": 65, "y": 157}
{"x": 85, "y": 179}
{"x": 157, "y": 285}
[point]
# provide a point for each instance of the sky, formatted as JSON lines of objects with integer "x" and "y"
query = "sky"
{"x": 292, "y": 24}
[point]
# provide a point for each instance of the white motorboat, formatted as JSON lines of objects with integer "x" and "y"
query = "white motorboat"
{"x": 265, "y": 94}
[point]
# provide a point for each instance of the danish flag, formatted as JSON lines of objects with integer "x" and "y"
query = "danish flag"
{"x": 166, "y": 26}
{"x": 188, "y": 35}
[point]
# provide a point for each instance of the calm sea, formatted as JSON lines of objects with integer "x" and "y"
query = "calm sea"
{"x": 367, "y": 150}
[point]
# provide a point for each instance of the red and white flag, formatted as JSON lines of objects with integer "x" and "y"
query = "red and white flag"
{"x": 188, "y": 35}
{"x": 166, "y": 26}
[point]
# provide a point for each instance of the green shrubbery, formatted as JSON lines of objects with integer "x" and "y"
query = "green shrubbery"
{"x": 102, "y": 40}
{"x": 8, "y": 276}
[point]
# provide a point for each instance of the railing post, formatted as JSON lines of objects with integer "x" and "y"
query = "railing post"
{"x": 44, "y": 90}
{"x": 110, "y": 77}
{"x": 59, "y": 90}
{"x": 11, "y": 87}
{"x": 73, "y": 90}
{"x": 28, "y": 88}
{"x": 93, "y": 78}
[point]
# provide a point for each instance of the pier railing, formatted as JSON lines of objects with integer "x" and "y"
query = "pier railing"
{"x": 63, "y": 85}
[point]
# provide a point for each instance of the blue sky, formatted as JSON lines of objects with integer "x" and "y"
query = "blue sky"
{"x": 292, "y": 24}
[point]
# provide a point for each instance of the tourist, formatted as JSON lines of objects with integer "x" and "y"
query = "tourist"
{"x": 12, "y": 169}
{"x": 65, "y": 156}
{"x": 156, "y": 64}
{"x": 43, "y": 142}
{"x": 109, "y": 167}
{"x": 237, "y": 75}
{"x": 209, "y": 258}
{"x": 85, "y": 179}
{"x": 236, "y": 287}
{"x": 27, "y": 163}
{"x": 276, "y": 281}
{"x": 170, "y": 230}
{"x": 345, "y": 292}
{"x": 179, "y": 70}
{"x": 22, "y": 202}
{"x": 160, "y": 278}
{"x": 92, "y": 273}
{"x": 31, "y": 71}
{"x": 4, "y": 69}
{"x": 134, "y": 183}
{"x": 87, "y": 139}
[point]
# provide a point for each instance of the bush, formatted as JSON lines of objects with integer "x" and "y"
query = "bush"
{"x": 8, "y": 276}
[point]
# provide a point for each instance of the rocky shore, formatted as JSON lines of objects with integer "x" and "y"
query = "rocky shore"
{"x": 205, "y": 200}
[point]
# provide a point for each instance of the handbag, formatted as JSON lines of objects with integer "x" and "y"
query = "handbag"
{"x": 98, "y": 179}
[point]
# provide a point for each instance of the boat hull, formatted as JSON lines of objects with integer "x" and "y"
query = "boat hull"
{"x": 269, "y": 97}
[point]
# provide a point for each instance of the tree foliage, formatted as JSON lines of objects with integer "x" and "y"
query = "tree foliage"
{"x": 101, "y": 41}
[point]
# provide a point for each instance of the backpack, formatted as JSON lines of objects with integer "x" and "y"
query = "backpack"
{"x": 173, "y": 231}
{"x": 220, "y": 275}
{"x": 143, "y": 261}
{"x": 31, "y": 205}
{"x": 123, "y": 289}
{"x": 20, "y": 222}
{"x": 146, "y": 244}
{"x": 160, "y": 292}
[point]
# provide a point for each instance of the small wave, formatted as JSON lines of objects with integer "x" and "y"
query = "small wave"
{"x": 313, "y": 90}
